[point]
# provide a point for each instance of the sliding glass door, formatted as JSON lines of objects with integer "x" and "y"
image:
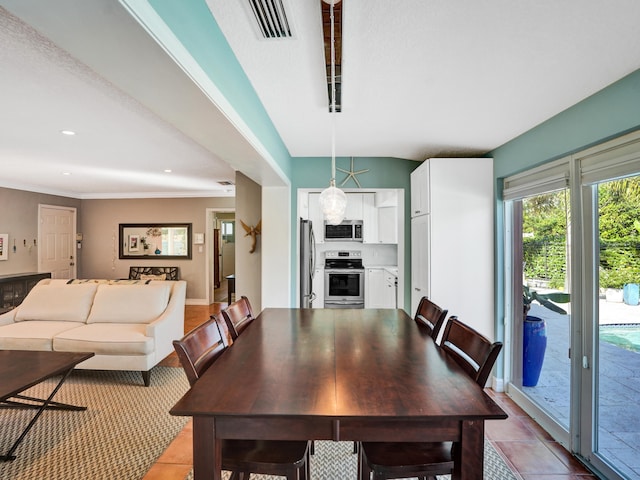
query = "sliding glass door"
{"x": 542, "y": 332}
{"x": 613, "y": 379}
{"x": 573, "y": 233}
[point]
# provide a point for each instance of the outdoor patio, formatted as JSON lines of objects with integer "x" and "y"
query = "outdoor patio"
{"x": 619, "y": 432}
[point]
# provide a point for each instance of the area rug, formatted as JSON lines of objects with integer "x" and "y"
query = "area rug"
{"x": 125, "y": 428}
{"x": 336, "y": 461}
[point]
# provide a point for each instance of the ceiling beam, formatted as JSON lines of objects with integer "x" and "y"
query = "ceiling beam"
{"x": 337, "y": 34}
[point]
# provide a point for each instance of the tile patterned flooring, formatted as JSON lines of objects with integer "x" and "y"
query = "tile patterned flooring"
{"x": 527, "y": 449}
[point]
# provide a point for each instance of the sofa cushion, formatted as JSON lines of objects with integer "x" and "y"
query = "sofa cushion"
{"x": 106, "y": 339}
{"x": 104, "y": 281}
{"x": 66, "y": 303}
{"x": 129, "y": 303}
{"x": 33, "y": 335}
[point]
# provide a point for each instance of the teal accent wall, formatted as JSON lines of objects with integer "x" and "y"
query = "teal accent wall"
{"x": 384, "y": 172}
{"x": 608, "y": 113}
{"x": 604, "y": 115}
{"x": 193, "y": 24}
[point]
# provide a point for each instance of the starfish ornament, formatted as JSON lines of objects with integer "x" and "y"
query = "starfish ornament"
{"x": 351, "y": 174}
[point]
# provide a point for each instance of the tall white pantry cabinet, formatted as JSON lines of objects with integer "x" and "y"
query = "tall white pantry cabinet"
{"x": 452, "y": 230}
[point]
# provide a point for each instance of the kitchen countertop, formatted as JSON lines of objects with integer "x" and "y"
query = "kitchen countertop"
{"x": 392, "y": 269}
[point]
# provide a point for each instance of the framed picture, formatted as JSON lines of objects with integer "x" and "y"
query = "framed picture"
{"x": 134, "y": 243}
{"x": 4, "y": 246}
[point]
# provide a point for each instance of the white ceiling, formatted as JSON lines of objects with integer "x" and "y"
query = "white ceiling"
{"x": 421, "y": 78}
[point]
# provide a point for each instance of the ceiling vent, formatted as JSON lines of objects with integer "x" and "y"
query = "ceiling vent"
{"x": 271, "y": 18}
{"x": 225, "y": 183}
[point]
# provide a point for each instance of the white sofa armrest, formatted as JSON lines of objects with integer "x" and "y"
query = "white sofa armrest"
{"x": 8, "y": 318}
{"x": 170, "y": 325}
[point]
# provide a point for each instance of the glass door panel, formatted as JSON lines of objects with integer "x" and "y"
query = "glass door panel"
{"x": 616, "y": 363}
{"x": 545, "y": 332}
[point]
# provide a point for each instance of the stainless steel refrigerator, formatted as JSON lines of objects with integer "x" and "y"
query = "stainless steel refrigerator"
{"x": 307, "y": 263}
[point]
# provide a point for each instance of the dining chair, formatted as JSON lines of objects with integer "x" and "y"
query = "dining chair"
{"x": 238, "y": 315}
{"x": 199, "y": 348}
{"x": 431, "y": 316}
{"x": 197, "y": 351}
{"x": 476, "y": 354}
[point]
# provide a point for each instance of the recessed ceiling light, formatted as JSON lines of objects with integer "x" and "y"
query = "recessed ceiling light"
{"x": 167, "y": 170}
{"x": 66, "y": 173}
{"x": 67, "y": 132}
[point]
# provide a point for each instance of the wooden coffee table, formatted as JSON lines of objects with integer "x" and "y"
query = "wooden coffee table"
{"x": 21, "y": 369}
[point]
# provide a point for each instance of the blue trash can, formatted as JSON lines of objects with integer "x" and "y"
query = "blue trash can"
{"x": 534, "y": 346}
{"x": 631, "y": 293}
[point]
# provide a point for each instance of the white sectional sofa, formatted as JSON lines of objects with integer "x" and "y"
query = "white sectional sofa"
{"x": 128, "y": 324}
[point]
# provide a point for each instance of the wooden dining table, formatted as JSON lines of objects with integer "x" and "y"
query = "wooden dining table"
{"x": 336, "y": 374}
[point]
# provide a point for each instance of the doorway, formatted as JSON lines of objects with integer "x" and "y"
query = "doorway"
{"x": 221, "y": 263}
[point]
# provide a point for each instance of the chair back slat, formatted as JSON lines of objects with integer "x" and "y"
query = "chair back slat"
{"x": 199, "y": 348}
{"x": 475, "y": 353}
{"x": 238, "y": 315}
{"x": 431, "y": 316}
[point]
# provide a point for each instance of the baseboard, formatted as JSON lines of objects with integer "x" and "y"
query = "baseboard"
{"x": 497, "y": 384}
{"x": 196, "y": 301}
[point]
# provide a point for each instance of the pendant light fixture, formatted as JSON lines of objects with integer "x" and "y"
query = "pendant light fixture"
{"x": 333, "y": 201}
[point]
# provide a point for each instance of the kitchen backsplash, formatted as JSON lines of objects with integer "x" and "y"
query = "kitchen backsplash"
{"x": 372, "y": 255}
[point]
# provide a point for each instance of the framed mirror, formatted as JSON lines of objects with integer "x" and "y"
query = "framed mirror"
{"x": 155, "y": 240}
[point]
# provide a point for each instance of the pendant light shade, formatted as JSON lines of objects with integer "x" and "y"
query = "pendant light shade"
{"x": 333, "y": 201}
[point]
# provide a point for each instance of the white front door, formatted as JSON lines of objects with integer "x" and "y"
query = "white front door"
{"x": 56, "y": 234}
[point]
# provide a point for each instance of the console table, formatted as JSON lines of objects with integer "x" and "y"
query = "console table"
{"x": 231, "y": 287}
{"x": 14, "y": 287}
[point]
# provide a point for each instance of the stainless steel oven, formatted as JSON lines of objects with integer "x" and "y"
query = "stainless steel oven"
{"x": 343, "y": 280}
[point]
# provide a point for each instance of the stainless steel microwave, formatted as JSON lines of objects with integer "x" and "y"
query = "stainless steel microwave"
{"x": 345, "y": 231}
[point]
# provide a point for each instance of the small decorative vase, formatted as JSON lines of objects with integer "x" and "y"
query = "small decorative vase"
{"x": 158, "y": 251}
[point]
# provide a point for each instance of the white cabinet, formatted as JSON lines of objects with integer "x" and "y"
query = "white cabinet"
{"x": 452, "y": 244}
{"x": 370, "y": 219}
{"x": 387, "y": 224}
{"x": 380, "y": 289}
{"x": 419, "y": 260}
{"x": 380, "y": 222}
{"x": 420, "y": 190}
{"x": 317, "y": 284}
{"x": 378, "y": 212}
{"x": 354, "y": 210}
{"x": 386, "y": 198}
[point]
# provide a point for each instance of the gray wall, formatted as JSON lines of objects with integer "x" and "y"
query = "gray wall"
{"x": 248, "y": 266}
{"x": 100, "y": 221}
{"x": 19, "y": 219}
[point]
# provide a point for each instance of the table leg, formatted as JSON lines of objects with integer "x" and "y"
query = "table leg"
{"x": 207, "y": 450}
{"x": 48, "y": 403}
{"x": 469, "y": 456}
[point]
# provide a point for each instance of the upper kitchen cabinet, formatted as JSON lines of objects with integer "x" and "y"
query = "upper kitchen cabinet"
{"x": 381, "y": 217}
{"x": 420, "y": 196}
{"x": 377, "y": 209}
{"x": 355, "y": 209}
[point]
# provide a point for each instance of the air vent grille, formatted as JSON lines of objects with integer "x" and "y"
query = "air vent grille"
{"x": 271, "y": 18}
{"x": 225, "y": 183}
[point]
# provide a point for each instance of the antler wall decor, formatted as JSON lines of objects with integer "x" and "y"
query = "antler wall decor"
{"x": 252, "y": 232}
